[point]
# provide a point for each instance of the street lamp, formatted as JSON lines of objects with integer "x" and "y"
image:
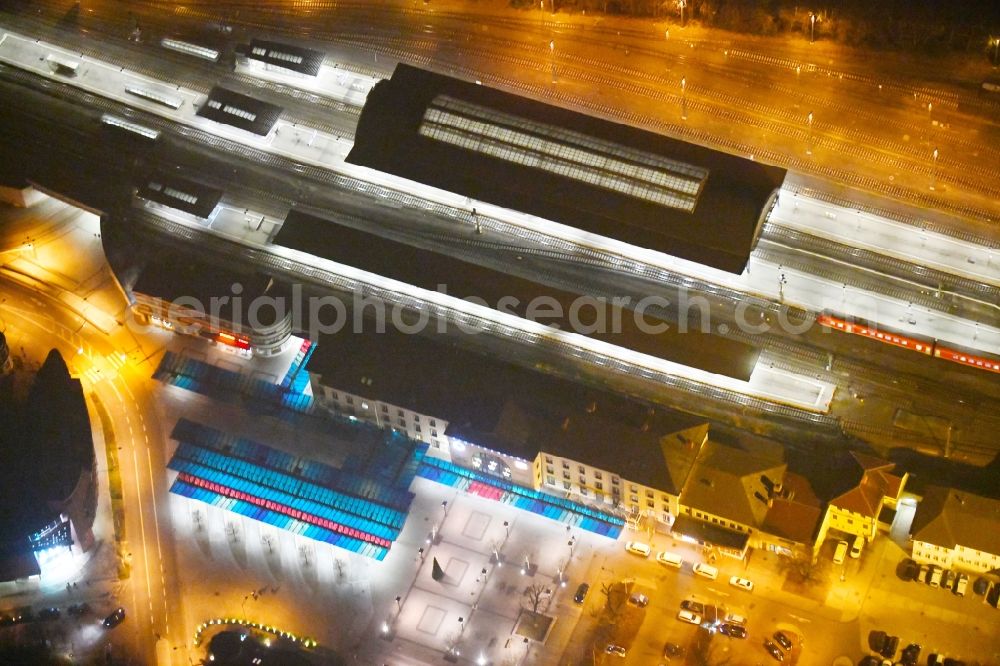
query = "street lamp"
{"x": 684, "y": 113}
{"x": 812, "y": 27}
{"x": 552, "y": 58}
{"x": 681, "y": 4}
{"x": 399, "y": 604}
{"x": 809, "y": 121}
{"x": 934, "y": 157}
{"x": 996, "y": 50}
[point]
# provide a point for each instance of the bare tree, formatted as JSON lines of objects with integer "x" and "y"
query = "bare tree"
{"x": 615, "y": 598}
{"x": 535, "y": 594}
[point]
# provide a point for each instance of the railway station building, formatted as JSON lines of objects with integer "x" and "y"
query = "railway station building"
{"x": 602, "y": 177}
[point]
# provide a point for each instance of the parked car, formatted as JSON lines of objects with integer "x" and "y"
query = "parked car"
{"x": 934, "y": 659}
{"x": 993, "y": 595}
{"x": 948, "y": 661}
{"x": 116, "y": 617}
{"x": 773, "y": 650}
{"x": 672, "y": 650}
{"x": 911, "y": 653}
{"x": 981, "y": 586}
{"x": 689, "y": 617}
{"x": 705, "y": 570}
{"x": 733, "y": 630}
{"x": 859, "y": 543}
{"x": 741, "y": 583}
{"x": 783, "y": 640}
{"x": 948, "y": 579}
{"x": 909, "y": 570}
{"x": 693, "y": 606}
{"x": 49, "y": 614}
{"x": 870, "y": 660}
{"x": 935, "y": 576}
{"x": 23, "y": 615}
{"x": 889, "y": 647}
{"x": 876, "y": 640}
{"x": 840, "y": 552}
{"x": 640, "y": 600}
{"x": 961, "y": 584}
{"x": 733, "y": 618}
{"x": 581, "y": 592}
{"x": 78, "y": 610}
{"x": 669, "y": 559}
{"x": 924, "y": 574}
{"x": 616, "y": 650}
{"x": 638, "y": 548}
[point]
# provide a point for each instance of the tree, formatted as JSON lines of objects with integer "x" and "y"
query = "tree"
{"x": 534, "y": 594}
{"x": 802, "y": 569}
{"x": 615, "y": 598}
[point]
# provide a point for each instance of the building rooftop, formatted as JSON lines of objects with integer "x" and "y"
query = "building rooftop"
{"x": 947, "y": 517}
{"x": 795, "y": 512}
{"x": 180, "y": 193}
{"x": 242, "y": 111}
{"x": 296, "y": 58}
{"x": 495, "y": 403}
{"x": 870, "y": 480}
{"x": 188, "y": 282}
{"x": 435, "y": 271}
{"x": 603, "y": 177}
{"x": 732, "y": 483}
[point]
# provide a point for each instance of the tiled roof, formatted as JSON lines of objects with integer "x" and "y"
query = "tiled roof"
{"x": 948, "y": 517}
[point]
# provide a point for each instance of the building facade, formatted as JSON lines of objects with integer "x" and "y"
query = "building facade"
{"x": 957, "y": 530}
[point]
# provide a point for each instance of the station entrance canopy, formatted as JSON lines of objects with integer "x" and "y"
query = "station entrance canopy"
{"x": 606, "y": 178}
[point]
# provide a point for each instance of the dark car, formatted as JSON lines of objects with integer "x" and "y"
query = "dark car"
{"x": 78, "y": 610}
{"x": 23, "y": 615}
{"x": 889, "y": 649}
{"x": 672, "y": 650}
{"x": 117, "y": 617}
{"x": 581, "y": 593}
{"x": 953, "y": 662}
{"x": 693, "y": 606}
{"x": 935, "y": 659}
{"x": 909, "y": 570}
{"x": 49, "y": 614}
{"x": 876, "y": 640}
{"x": 733, "y": 630}
{"x": 911, "y": 653}
{"x": 773, "y": 650}
{"x": 981, "y": 586}
{"x": 870, "y": 660}
{"x": 783, "y": 640}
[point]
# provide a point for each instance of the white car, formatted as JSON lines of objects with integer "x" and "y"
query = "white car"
{"x": 638, "y": 548}
{"x": 705, "y": 570}
{"x": 689, "y": 617}
{"x": 669, "y": 559}
{"x": 742, "y": 583}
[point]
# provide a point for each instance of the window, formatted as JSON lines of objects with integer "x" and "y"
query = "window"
{"x": 597, "y": 475}
{"x": 583, "y": 480}
{"x": 350, "y": 400}
{"x": 434, "y": 433}
{"x": 548, "y": 459}
{"x": 385, "y": 409}
{"x": 635, "y": 499}
{"x": 583, "y": 491}
{"x": 614, "y": 481}
{"x": 633, "y": 489}
{"x": 402, "y": 423}
{"x": 565, "y": 464}
{"x": 566, "y": 485}
{"x": 333, "y": 394}
{"x": 649, "y": 503}
{"x": 400, "y": 413}
{"x": 418, "y": 427}
{"x": 583, "y": 470}
{"x": 551, "y": 480}
{"x": 649, "y": 494}
{"x": 549, "y": 469}
{"x": 599, "y": 485}
{"x": 565, "y": 475}
{"x": 433, "y": 424}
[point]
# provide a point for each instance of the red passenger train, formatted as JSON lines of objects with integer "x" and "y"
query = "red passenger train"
{"x": 930, "y": 348}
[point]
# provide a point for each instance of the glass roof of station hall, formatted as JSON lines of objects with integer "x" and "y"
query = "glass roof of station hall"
{"x": 538, "y": 145}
